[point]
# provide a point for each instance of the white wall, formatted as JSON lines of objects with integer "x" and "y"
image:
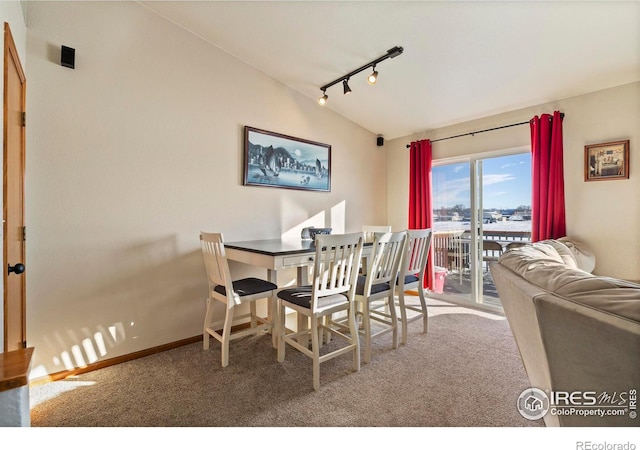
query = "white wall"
{"x": 137, "y": 150}
{"x": 604, "y": 214}
{"x": 11, "y": 12}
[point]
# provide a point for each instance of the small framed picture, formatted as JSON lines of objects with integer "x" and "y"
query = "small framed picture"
{"x": 607, "y": 161}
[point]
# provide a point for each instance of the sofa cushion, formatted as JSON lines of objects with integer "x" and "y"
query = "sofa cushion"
{"x": 606, "y": 294}
{"x": 584, "y": 256}
{"x": 542, "y": 264}
{"x": 527, "y": 259}
{"x": 568, "y": 257}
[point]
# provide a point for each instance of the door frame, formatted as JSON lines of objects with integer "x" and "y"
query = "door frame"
{"x": 10, "y": 51}
{"x": 475, "y": 161}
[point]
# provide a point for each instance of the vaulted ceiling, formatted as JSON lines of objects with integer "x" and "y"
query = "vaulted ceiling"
{"x": 462, "y": 60}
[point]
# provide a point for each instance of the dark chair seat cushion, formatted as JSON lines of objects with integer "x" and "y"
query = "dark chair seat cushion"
{"x": 408, "y": 279}
{"x": 376, "y": 288}
{"x": 301, "y": 296}
{"x": 248, "y": 286}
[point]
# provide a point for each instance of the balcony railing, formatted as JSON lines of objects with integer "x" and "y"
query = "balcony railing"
{"x": 451, "y": 247}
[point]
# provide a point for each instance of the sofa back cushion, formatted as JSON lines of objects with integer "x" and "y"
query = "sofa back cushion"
{"x": 551, "y": 266}
{"x": 584, "y": 257}
{"x": 617, "y": 297}
{"x": 547, "y": 264}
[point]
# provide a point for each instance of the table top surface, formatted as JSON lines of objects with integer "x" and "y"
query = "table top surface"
{"x": 273, "y": 247}
{"x": 276, "y": 247}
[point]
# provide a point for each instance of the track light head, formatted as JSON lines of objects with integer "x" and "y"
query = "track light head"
{"x": 371, "y": 79}
{"x": 322, "y": 100}
{"x": 346, "y": 88}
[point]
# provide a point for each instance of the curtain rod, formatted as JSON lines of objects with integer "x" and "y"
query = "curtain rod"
{"x": 488, "y": 129}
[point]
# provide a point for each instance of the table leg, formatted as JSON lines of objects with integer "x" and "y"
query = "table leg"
{"x": 302, "y": 279}
{"x": 302, "y": 275}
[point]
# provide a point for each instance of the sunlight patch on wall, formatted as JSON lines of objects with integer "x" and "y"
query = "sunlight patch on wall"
{"x": 89, "y": 350}
{"x": 317, "y": 221}
{"x": 82, "y": 352}
{"x": 117, "y": 331}
{"x": 78, "y": 356}
{"x": 99, "y": 340}
{"x": 338, "y": 217}
{"x": 335, "y": 218}
{"x": 66, "y": 360}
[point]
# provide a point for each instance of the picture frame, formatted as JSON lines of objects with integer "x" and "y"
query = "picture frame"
{"x": 606, "y": 161}
{"x": 277, "y": 160}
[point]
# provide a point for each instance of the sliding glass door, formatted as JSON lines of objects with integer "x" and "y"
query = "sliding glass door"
{"x": 481, "y": 209}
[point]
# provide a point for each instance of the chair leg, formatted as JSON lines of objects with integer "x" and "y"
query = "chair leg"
{"x": 315, "y": 349}
{"x": 366, "y": 321}
{"x": 207, "y": 322}
{"x": 327, "y": 333}
{"x": 303, "y": 324}
{"x": 275, "y": 321}
{"x": 322, "y": 332}
{"x": 403, "y": 316}
{"x": 252, "y": 309}
{"x": 355, "y": 339}
{"x": 394, "y": 318}
{"x": 281, "y": 331}
{"x": 226, "y": 331}
{"x": 423, "y": 304}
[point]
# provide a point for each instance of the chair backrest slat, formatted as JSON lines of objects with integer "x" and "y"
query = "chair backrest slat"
{"x": 386, "y": 255}
{"x": 336, "y": 264}
{"x": 215, "y": 260}
{"x": 417, "y": 252}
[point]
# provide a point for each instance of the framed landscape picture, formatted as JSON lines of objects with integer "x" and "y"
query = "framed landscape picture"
{"x": 607, "y": 161}
{"x": 277, "y": 160}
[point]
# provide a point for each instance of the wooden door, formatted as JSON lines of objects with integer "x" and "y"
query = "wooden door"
{"x": 15, "y": 333}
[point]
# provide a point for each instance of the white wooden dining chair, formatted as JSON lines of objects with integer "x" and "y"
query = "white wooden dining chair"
{"x": 375, "y": 291}
{"x": 370, "y": 231}
{"x": 231, "y": 294}
{"x": 335, "y": 274}
{"x": 411, "y": 275}
{"x": 369, "y": 234}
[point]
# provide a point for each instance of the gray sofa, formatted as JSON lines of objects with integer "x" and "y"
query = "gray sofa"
{"x": 576, "y": 332}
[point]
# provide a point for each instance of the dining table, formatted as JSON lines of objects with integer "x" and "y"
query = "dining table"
{"x": 275, "y": 255}
{"x": 279, "y": 254}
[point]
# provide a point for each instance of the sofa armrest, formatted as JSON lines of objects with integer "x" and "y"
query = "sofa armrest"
{"x": 588, "y": 350}
{"x": 516, "y": 297}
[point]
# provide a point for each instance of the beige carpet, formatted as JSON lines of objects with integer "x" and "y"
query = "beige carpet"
{"x": 466, "y": 372}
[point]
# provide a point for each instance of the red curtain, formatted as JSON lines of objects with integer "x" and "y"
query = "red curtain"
{"x": 420, "y": 207}
{"x": 547, "y": 210}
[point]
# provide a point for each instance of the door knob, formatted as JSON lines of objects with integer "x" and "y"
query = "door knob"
{"x": 17, "y": 269}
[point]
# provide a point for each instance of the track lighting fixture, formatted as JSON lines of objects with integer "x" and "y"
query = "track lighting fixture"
{"x": 322, "y": 100}
{"x": 346, "y": 88}
{"x": 391, "y": 53}
{"x": 373, "y": 77}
